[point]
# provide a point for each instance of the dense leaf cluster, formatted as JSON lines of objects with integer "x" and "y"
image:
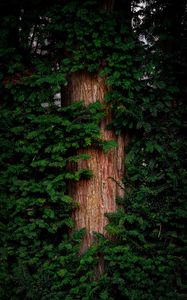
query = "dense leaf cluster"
{"x": 41, "y": 45}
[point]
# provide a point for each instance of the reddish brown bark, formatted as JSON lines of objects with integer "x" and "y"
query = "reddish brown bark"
{"x": 97, "y": 195}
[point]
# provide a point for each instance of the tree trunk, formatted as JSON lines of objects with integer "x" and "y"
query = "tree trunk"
{"x": 97, "y": 195}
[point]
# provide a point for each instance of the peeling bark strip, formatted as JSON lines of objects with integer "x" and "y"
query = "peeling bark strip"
{"x": 97, "y": 195}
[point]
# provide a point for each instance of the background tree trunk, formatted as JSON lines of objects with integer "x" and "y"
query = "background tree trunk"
{"x": 97, "y": 195}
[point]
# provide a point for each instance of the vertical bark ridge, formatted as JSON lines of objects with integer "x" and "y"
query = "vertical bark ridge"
{"x": 97, "y": 195}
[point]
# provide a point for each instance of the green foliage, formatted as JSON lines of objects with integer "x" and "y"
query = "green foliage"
{"x": 37, "y": 147}
{"x": 41, "y": 45}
